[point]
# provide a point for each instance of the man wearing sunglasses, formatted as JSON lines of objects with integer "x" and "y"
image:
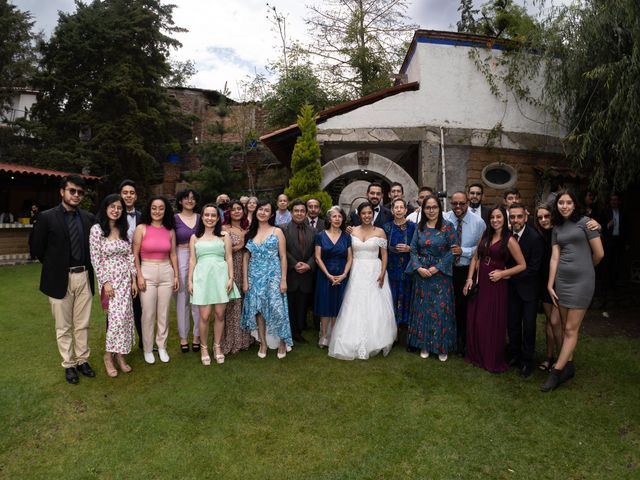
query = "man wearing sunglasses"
{"x": 60, "y": 241}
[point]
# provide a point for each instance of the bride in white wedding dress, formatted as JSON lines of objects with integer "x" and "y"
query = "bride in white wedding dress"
{"x": 366, "y": 322}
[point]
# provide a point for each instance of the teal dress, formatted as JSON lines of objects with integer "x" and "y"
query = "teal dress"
{"x": 211, "y": 274}
{"x": 264, "y": 295}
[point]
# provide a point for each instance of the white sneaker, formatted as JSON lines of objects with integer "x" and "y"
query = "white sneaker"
{"x": 424, "y": 354}
{"x": 149, "y": 358}
{"x": 164, "y": 356}
{"x": 443, "y": 357}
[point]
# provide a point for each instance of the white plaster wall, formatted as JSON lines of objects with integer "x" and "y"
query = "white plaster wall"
{"x": 19, "y": 103}
{"x": 453, "y": 93}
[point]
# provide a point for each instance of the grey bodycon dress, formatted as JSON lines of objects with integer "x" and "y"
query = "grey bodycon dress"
{"x": 576, "y": 277}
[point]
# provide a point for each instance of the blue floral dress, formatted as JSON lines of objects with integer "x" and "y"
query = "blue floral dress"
{"x": 399, "y": 280}
{"x": 432, "y": 323}
{"x": 264, "y": 293}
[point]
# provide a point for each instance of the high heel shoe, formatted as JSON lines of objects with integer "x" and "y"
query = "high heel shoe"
{"x": 109, "y": 366}
{"x": 219, "y": 356}
{"x": 281, "y": 355}
{"x": 124, "y": 366}
{"x": 262, "y": 354}
{"x": 204, "y": 355}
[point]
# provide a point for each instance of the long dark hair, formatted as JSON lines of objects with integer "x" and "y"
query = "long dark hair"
{"x": 487, "y": 236}
{"x": 253, "y": 228}
{"x": 217, "y": 228}
{"x": 102, "y": 218}
{"x": 168, "y": 221}
{"x": 423, "y": 217}
{"x": 365, "y": 204}
{"x": 542, "y": 231}
{"x": 557, "y": 217}
{"x": 244, "y": 222}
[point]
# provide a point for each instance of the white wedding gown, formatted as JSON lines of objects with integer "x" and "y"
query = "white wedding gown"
{"x": 366, "y": 321}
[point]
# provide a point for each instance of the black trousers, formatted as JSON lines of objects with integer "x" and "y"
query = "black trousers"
{"x": 298, "y": 305}
{"x": 459, "y": 279}
{"x": 137, "y": 317}
{"x": 521, "y": 327}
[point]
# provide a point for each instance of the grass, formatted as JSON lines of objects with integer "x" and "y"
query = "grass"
{"x": 308, "y": 416}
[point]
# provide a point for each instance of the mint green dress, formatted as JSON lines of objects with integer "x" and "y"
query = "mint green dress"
{"x": 211, "y": 274}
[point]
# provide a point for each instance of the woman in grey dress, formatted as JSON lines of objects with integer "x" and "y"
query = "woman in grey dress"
{"x": 575, "y": 252}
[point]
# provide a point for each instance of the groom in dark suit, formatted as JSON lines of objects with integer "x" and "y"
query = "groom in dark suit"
{"x": 381, "y": 214}
{"x": 523, "y": 292}
{"x": 60, "y": 241}
{"x": 129, "y": 195}
{"x": 300, "y": 238}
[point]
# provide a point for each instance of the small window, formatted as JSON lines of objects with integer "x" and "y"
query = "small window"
{"x": 499, "y": 175}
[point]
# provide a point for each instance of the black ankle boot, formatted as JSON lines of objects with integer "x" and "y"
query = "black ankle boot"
{"x": 553, "y": 380}
{"x": 568, "y": 372}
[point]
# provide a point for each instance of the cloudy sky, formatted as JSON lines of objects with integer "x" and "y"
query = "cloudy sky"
{"x": 230, "y": 39}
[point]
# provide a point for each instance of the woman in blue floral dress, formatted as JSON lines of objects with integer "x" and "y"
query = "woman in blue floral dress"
{"x": 399, "y": 234}
{"x": 432, "y": 324}
{"x": 264, "y": 267}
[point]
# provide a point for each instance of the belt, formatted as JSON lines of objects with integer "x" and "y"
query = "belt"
{"x": 78, "y": 269}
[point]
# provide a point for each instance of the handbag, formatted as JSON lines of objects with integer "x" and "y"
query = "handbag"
{"x": 475, "y": 286}
{"x": 104, "y": 300}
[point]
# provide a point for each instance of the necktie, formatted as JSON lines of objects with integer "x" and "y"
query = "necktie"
{"x": 74, "y": 237}
{"x": 459, "y": 232}
{"x": 301, "y": 237}
{"x": 516, "y": 236}
{"x": 312, "y": 222}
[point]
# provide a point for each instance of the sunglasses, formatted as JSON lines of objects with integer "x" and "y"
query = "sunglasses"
{"x": 75, "y": 191}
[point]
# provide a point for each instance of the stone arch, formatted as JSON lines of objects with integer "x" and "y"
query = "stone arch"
{"x": 384, "y": 167}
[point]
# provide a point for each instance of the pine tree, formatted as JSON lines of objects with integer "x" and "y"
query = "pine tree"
{"x": 305, "y": 162}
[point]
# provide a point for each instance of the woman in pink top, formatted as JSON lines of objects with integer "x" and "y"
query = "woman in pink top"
{"x": 154, "y": 251}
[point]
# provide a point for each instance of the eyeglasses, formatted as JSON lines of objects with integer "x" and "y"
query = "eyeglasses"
{"x": 75, "y": 191}
{"x": 117, "y": 208}
{"x": 458, "y": 204}
{"x": 431, "y": 207}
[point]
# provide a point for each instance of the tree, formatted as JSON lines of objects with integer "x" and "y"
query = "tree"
{"x": 101, "y": 103}
{"x": 360, "y": 43}
{"x": 17, "y": 52}
{"x": 181, "y": 73}
{"x": 467, "y": 22}
{"x": 215, "y": 174}
{"x": 505, "y": 19}
{"x": 305, "y": 162}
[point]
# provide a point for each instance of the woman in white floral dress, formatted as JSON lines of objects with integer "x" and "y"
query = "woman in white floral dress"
{"x": 112, "y": 261}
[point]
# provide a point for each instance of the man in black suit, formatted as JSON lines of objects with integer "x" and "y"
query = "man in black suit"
{"x": 300, "y": 238}
{"x": 129, "y": 195}
{"x": 475, "y": 194}
{"x": 381, "y": 214}
{"x": 523, "y": 292}
{"x": 313, "y": 214}
{"x": 60, "y": 241}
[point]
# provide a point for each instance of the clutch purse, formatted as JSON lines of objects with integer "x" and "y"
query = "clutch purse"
{"x": 104, "y": 300}
{"x": 473, "y": 290}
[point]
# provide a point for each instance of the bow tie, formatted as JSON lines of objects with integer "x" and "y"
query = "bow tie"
{"x": 131, "y": 214}
{"x": 377, "y": 209}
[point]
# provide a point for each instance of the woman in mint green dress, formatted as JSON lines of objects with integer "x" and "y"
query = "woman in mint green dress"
{"x": 211, "y": 278}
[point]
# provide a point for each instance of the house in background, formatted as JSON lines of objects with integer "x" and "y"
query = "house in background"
{"x": 442, "y": 113}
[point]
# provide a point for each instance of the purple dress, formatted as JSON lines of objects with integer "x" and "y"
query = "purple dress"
{"x": 487, "y": 316}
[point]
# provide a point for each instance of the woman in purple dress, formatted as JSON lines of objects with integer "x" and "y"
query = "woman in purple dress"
{"x": 487, "y": 313}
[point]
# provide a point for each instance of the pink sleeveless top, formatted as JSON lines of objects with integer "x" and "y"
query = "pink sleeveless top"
{"x": 156, "y": 243}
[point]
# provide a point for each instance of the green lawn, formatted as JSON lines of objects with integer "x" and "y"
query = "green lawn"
{"x": 308, "y": 416}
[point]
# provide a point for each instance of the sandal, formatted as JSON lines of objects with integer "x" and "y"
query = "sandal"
{"x": 196, "y": 347}
{"x": 546, "y": 364}
{"x": 219, "y": 356}
{"x": 184, "y": 347}
{"x": 204, "y": 356}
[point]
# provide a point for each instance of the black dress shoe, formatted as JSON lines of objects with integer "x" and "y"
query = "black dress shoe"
{"x": 86, "y": 370}
{"x": 526, "y": 371}
{"x": 300, "y": 339}
{"x": 514, "y": 362}
{"x": 71, "y": 375}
